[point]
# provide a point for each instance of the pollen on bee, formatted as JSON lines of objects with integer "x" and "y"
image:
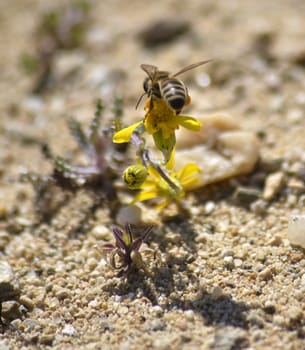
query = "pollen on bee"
{"x": 147, "y": 104}
{"x": 188, "y": 100}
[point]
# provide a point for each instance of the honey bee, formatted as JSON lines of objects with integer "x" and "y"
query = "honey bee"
{"x": 162, "y": 85}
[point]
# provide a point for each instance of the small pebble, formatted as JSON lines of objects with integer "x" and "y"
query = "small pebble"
{"x": 202, "y": 237}
{"x": 162, "y": 342}
{"x": 296, "y": 185}
{"x": 189, "y": 315}
{"x": 296, "y": 229}
{"x": 63, "y": 293}
{"x": 275, "y": 241}
{"x": 9, "y": 285}
{"x": 228, "y": 260}
{"x": 271, "y": 165}
{"x": 257, "y": 335}
{"x": 68, "y": 330}
{"x": 246, "y": 196}
{"x": 16, "y": 323}
{"x": 229, "y": 337}
{"x": 266, "y": 274}
{"x": 29, "y": 324}
{"x": 259, "y": 207}
{"x": 11, "y": 310}
{"x": 238, "y": 262}
{"x": 269, "y": 308}
{"x": 255, "y": 319}
{"x": 217, "y": 293}
{"x": 101, "y": 232}
{"x": 92, "y": 263}
{"x": 24, "y": 300}
{"x": 157, "y": 325}
{"x": 157, "y": 310}
{"x": 195, "y": 211}
{"x": 273, "y": 184}
{"x": 279, "y": 320}
{"x": 125, "y": 345}
{"x": 292, "y": 200}
{"x": 122, "y": 310}
{"x": 209, "y": 207}
{"x": 24, "y": 222}
{"x": 47, "y": 339}
{"x": 227, "y": 252}
{"x": 294, "y": 313}
{"x": 130, "y": 214}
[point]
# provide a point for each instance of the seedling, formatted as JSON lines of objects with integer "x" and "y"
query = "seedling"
{"x": 125, "y": 253}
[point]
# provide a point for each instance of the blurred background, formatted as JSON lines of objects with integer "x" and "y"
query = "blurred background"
{"x": 98, "y": 45}
{"x": 58, "y": 57}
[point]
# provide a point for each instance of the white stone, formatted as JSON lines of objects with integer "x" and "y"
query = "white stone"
{"x": 296, "y": 229}
{"x": 209, "y": 207}
{"x": 130, "y": 214}
{"x": 68, "y": 330}
{"x": 220, "y": 149}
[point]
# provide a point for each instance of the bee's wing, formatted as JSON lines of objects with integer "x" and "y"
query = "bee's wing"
{"x": 150, "y": 70}
{"x": 191, "y": 66}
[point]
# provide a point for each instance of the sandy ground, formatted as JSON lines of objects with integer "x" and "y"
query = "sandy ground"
{"x": 227, "y": 277}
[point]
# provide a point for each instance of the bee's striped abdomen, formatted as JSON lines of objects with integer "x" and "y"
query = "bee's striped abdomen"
{"x": 174, "y": 92}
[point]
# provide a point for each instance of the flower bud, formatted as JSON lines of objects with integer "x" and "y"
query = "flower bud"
{"x": 165, "y": 145}
{"x": 134, "y": 176}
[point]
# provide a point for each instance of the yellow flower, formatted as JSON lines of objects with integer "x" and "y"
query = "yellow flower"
{"x": 173, "y": 189}
{"x": 163, "y": 118}
{"x": 159, "y": 118}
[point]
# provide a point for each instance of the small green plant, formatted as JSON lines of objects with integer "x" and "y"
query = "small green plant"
{"x": 124, "y": 253}
{"x": 97, "y": 176}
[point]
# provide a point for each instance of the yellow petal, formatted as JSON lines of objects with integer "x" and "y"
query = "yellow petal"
{"x": 164, "y": 203}
{"x": 170, "y": 164}
{"x": 145, "y": 195}
{"x": 188, "y": 169}
{"x": 188, "y": 175}
{"x": 189, "y": 122}
{"x": 154, "y": 173}
{"x": 124, "y": 135}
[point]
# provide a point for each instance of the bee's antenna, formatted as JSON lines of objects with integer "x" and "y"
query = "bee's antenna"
{"x": 192, "y": 66}
{"x": 140, "y": 99}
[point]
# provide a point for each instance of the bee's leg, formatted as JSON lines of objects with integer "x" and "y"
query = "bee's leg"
{"x": 149, "y": 104}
